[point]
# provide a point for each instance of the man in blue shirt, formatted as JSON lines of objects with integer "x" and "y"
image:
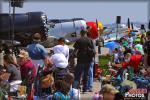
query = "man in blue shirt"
{"x": 36, "y": 51}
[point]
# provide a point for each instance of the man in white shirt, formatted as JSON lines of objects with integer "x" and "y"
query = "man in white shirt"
{"x": 62, "y": 48}
{"x": 59, "y": 60}
{"x": 60, "y": 63}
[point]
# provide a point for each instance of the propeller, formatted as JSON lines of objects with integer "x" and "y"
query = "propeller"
{"x": 149, "y": 25}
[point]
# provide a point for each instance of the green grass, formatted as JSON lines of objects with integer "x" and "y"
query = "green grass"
{"x": 103, "y": 61}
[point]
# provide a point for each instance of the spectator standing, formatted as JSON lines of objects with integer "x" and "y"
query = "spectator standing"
{"x": 63, "y": 48}
{"x": 36, "y": 51}
{"x": 60, "y": 63}
{"x": 143, "y": 39}
{"x": 83, "y": 49}
{"x": 90, "y": 73}
{"x": 147, "y": 52}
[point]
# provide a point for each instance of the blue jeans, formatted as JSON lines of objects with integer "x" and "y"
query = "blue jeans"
{"x": 81, "y": 69}
{"x": 90, "y": 77}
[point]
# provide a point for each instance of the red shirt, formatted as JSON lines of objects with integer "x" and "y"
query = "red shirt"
{"x": 25, "y": 67}
{"x": 134, "y": 62}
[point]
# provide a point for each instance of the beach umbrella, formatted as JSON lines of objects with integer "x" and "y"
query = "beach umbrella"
{"x": 111, "y": 45}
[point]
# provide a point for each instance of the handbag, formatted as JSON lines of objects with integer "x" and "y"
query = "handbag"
{"x": 47, "y": 81}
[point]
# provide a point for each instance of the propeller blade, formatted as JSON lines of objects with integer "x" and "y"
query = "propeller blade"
{"x": 97, "y": 23}
{"x": 149, "y": 25}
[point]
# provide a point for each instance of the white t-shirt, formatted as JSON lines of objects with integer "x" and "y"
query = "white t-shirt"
{"x": 59, "y": 60}
{"x": 74, "y": 94}
{"x": 116, "y": 57}
{"x": 130, "y": 40}
{"x": 62, "y": 49}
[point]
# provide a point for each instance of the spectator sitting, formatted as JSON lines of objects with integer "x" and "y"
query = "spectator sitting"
{"x": 11, "y": 68}
{"x": 74, "y": 93}
{"x": 107, "y": 92}
{"x": 61, "y": 90}
{"x": 27, "y": 68}
{"x": 131, "y": 61}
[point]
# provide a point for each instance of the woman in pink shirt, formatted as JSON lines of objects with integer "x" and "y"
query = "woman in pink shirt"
{"x": 27, "y": 68}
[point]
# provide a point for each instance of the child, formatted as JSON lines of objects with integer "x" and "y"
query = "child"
{"x": 61, "y": 89}
{"x": 108, "y": 92}
{"x": 74, "y": 93}
{"x": 116, "y": 56}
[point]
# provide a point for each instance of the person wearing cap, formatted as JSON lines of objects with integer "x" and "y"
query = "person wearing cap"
{"x": 26, "y": 66}
{"x": 36, "y": 51}
{"x": 63, "y": 48}
{"x": 147, "y": 52}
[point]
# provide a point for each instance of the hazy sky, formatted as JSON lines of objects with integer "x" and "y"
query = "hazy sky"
{"x": 103, "y": 11}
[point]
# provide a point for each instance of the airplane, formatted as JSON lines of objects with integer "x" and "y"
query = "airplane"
{"x": 70, "y": 30}
{"x": 25, "y": 25}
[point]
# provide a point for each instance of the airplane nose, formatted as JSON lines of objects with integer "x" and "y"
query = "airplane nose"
{"x": 93, "y": 30}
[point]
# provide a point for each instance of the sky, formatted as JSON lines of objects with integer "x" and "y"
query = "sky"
{"x": 105, "y": 12}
